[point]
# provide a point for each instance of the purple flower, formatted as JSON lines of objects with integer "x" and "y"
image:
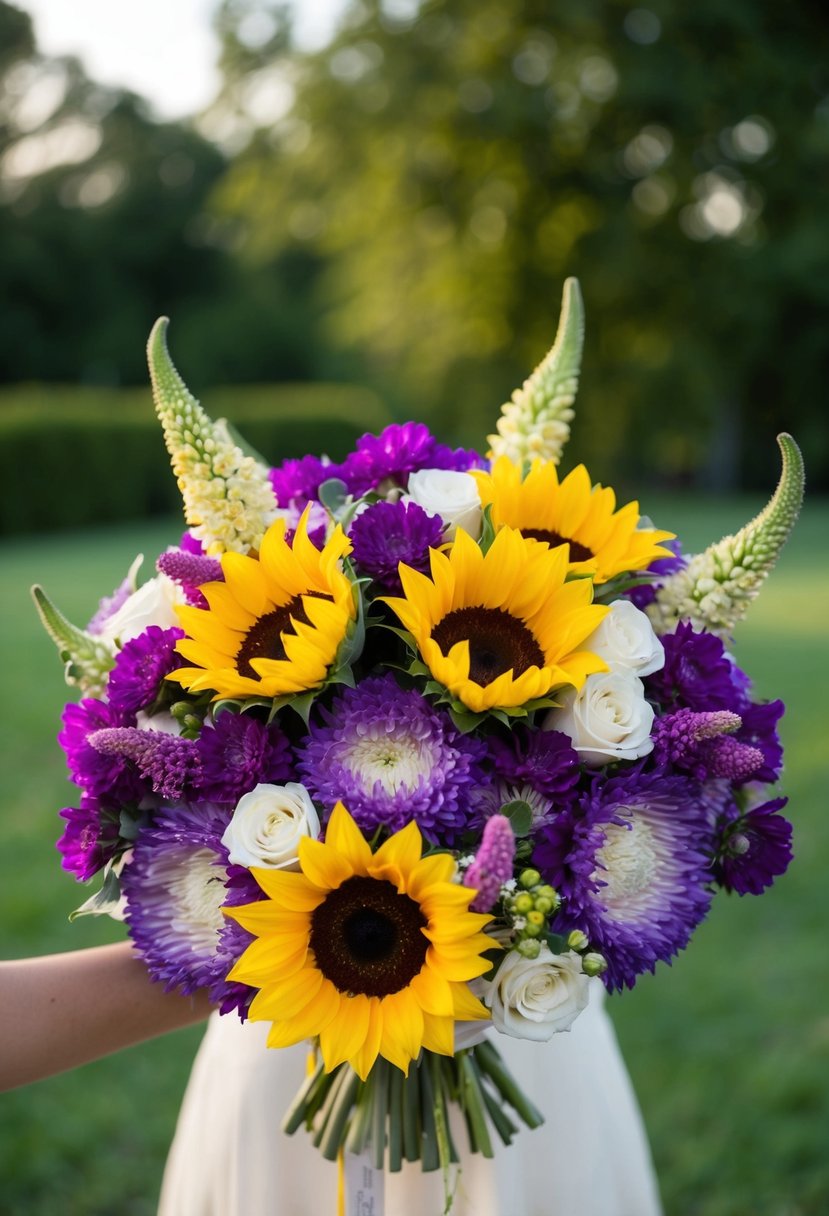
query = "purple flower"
{"x": 391, "y": 757}
{"x": 646, "y": 593}
{"x": 170, "y": 764}
{"x": 89, "y": 839}
{"x": 756, "y": 848}
{"x": 237, "y": 753}
{"x": 759, "y": 730}
{"x": 493, "y": 863}
{"x": 388, "y": 533}
{"x": 396, "y": 452}
{"x": 140, "y": 668}
{"x": 631, "y": 863}
{"x": 174, "y": 886}
{"x": 702, "y": 745}
{"x": 542, "y": 759}
{"x": 295, "y": 482}
{"x": 697, "y": 673}
{"x": 98, "y": 774}
{"x": 190, "y": 571}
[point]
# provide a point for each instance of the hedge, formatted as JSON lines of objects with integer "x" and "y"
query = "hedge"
{"x": 72, "y": 457}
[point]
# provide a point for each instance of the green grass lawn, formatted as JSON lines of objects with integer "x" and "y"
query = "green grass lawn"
{"x": 729, "y": 1048}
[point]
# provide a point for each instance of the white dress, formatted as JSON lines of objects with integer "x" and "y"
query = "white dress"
{"x": 590, "y": 1158}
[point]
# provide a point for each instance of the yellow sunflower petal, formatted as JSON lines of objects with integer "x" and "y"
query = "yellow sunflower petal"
{"x": 286, "y": 998}
{"x": 439, "y": 1034}
{"x": 344, "y": 1036}
{"x": 310, "y": 1021}
{"x": 434, "y": 993}
{"x": 467, "y": 1007}
{"x": 291, "y": 891}
{"x": 364, "y": 1057}
{"x": 402, "y": 1033}
{"x": 323, "y": 865}
{"x": 343, "y": 835}
{"x": 397, "y": 856}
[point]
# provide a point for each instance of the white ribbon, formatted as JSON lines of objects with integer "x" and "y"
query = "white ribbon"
{"x": 364, "y": 1186}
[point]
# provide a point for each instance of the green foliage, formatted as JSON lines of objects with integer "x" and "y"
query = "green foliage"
{"x": 73, "y": 457}
{"x": 451, "y": 167}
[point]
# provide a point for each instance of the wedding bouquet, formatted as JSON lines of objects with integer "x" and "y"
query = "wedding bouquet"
{"x": 391, "y": 751}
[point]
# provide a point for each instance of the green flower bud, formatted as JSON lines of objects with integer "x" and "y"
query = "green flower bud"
{"x": 535, "y": 918}
{"x": 529, "y": 878}
{"x": 548, "y": 892}
{"x": 542, "y": 904}
{"x": 578, "y": 940}
{"x": 523, "y": 903}
{"x": 529, "y": 948}
{"x": 593, "y": 964}
{"x": 531, "y": 930}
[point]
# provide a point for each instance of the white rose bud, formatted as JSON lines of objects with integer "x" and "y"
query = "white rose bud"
{"x": 535, "y": 998}
{"x": 607, "y": 719}
{"x": 453, "y": 496}
{"x": 626, "y": 641}
{"x": 152, "y": 604}
{"x": 268, "y": 824}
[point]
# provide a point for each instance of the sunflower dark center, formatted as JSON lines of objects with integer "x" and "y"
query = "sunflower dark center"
{"x": 264, "y": 638}
{"x": 578, "y": 551}
{"x": 366, "y": 937}
{"x": 498, "y": 642}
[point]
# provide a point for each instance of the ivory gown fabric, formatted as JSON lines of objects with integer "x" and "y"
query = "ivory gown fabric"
{"x": 590, "y": 1158}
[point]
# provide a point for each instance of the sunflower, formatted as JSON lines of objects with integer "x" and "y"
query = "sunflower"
{"x": 500, "y": 629}
{"x": 369, "y": 951}
{"x": 273, "y": 626}
{"x": 603, "y": 541}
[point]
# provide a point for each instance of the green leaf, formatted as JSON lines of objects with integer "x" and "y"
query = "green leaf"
{"x": 557, "y": 943}
{"x": 487, "y": 529}
{"x": 105, "y": 901}
{"x": 520, "y": 816}
{"x": 333, "y": 494}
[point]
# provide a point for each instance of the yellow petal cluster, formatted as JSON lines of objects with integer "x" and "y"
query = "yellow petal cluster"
{"x": 516, "y": 579}
{"x": 303, "y": 1002}
{"x": 572, "y": 510}
{"x": 228, "y": 643}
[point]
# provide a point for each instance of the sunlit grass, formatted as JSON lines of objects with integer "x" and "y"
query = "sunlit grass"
{"x": 729, "y": 1048}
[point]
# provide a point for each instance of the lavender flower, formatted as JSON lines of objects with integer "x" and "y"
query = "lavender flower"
{"x": 140, "y": 667}
{"x": 493, "y": 863}
{"x": 391, "y": 757}
{"x": 174, "y": 886}
{"x": 388, "y": 533}
{"x": 237, "y": 753}
{"x": 631, "y": 864}
{"x": 170, "y": 764}
{"x": 701, "y": 744}
{"x": 756, "y": 848}
{"x": 395, "y": 453}
{"x": 190, "y": 571}
{"x": 89, "y": 840}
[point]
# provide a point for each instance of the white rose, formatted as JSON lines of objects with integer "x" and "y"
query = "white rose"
{"x": 152, "y": 604}
{"x": 532, "y": 998}
{"x": 608, "y": 719}
{"x": 626, "y": 641}
{"x": 452, "y": 496}
{"x": 268, "y": 824}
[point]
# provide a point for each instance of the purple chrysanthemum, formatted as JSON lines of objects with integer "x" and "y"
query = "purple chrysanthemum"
{"x": 237, "y": 753}
{"x": 140, "y": 667}
{"x": 646, "y": 594}
{"x": 632, "y": 866}
{"x": 388, "y": 533}
{"x": 98, "y": 774}
{"x": 759, "y": 730}
{"x": 174, "y": 885}
{"x": 756, "y": 848}
{"x": 396, "y": 452}
{"x": 697, "y": 673}
{"x": 542, "y": 759}
{"x": 391, "y": 758}
{"x": 89, "y": 839}
{"x": 295, "y": 482}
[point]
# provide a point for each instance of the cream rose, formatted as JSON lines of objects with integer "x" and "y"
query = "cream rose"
{"x": 626, "y": 641}
{"x": 152, "y": 604}
{"x": 268, "y": 824}
{"x": 608, "y": 719}
{"x": 533, "y": 998}
{"x": 453, "y": 496}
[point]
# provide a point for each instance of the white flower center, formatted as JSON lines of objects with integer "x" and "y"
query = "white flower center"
{"x": 396, "y": 762}
{"x": 197, "y": 893}
{"x": 629, "y": 856}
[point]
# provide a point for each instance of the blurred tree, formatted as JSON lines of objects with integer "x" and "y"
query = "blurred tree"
{"x": 451, "y": 163}
{"x": 103, "y": 226}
